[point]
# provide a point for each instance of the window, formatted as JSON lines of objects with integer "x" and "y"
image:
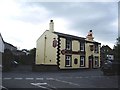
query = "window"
{"x": 96, "y": 49}
{"x": 82, "y": 61}
{"x": 68, "y": 60}
{"x": 91, "y": 48}
{"x": 96, "y": 61}
{"x": 75, "y": 61}
{"x": 68, "y": 44}
{"x": 110, "y": 57}
{"x": 82, "y": 46}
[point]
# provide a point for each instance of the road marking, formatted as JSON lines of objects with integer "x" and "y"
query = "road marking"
{"x": 78, "y": 77}
{"x": 7, "y": 78}
{"x": 51, "y": 86}
{"x": 49, "y": 78}
{"x": 86, "y": 77}
{"x": 2, "y": 87}
{"x": 29, "y": 78}
{"x": 67, "y": 77}
{"x": 67, "y": 82}
{"x": 18, "y": 78}
{"x": 39, "y": 85}
{"x": 39, "y": 78}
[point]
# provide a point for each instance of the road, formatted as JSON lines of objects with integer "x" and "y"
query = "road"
{"x": 55, "y": 80}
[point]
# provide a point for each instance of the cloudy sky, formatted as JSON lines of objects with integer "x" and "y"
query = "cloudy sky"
{"x": 22, "y": 22}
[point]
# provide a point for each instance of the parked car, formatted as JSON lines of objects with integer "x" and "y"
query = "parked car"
{"x": 110, "y": 67}
{"x": 14, "y": 63}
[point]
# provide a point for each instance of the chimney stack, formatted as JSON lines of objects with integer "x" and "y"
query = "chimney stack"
{"x": 90, "y": 36}
{"x": 51, "y": 26}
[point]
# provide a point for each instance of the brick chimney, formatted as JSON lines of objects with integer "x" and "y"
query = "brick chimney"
{"x": 51, "y": 26}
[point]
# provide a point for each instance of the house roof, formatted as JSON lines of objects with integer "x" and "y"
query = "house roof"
{"x": 74, "y": 37}
{"x": 9, "y": 44}
{"x": 106, "y": 47}
{"x": 1, "y": 37}
{"x": 70, "y": 36}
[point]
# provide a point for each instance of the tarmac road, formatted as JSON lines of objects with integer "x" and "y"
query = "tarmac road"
{"x": 75, "y": 79}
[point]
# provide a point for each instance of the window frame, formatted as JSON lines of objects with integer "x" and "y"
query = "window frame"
{"x": 68, "y": 43}
{"x": 82, "y": 46}
{"x": 96, "y": 48}
{"x": 70, "y": 61}
{"x": 83, "y": 61}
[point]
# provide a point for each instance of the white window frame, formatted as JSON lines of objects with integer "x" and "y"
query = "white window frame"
{"x": 68, "y": 58}
{"x": 82, "y": 58}
{"x": 68, "y": 44}
{"x": 82, "y": 46}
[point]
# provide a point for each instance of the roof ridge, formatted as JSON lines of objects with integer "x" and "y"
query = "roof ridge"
{"x": 69, "y": 35}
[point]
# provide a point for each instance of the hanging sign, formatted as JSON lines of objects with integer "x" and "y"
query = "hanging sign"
{"x": 54, "y": 43}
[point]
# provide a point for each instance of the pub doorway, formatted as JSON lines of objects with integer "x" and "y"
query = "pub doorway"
{"x": 90, "y": 62}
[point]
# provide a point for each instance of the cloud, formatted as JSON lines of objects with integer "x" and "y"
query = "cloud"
{"x": 24, "y": 28}
{"x": 83, "y": 16}
{"x": 23, "y": 22}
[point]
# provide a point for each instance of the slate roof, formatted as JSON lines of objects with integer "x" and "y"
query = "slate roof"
{"x": 74, "y": 37}
{"x": 69, "y": 36}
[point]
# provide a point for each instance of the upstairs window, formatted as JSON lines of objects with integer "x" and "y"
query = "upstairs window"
{"x": 82, "y": 46}
{"x": 68, "y": 44}
{"x": 96, "y": 49}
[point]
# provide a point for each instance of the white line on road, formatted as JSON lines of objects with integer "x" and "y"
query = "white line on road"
{"x": 67, "y": 82}
{"x": 7, "y": 78}
{"x": 51, "y": 86}
{"x": 39, "y": 78}
{"x": 2, "y": 87}
{"x": 18, "y": 78}
{"x": 39, "y": 85}
{"x": 78, "y": 77}
{"x": 29, "y": 78}
{"x": 49, "y": 78}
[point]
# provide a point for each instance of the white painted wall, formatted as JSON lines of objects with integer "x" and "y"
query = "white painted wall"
{"x": 1, "y": 45}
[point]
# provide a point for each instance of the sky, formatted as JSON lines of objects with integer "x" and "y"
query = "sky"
{"x": 22, "y": 22}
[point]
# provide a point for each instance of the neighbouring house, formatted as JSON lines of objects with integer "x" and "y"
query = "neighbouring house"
{"x": 27, "y": 52}
{"x": 55, "y": 50}
{"x": 106, "y": 53}
{"x": 10, "y": 47}
{"x": 1, "y": 48}
{"x": 13, "y": 49}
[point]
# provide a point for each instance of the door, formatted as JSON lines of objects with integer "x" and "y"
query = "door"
{"x": 90, "y": 62}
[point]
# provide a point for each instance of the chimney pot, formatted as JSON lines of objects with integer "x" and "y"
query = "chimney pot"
{"x": 51, "y": 20}
{"x": 90, "y": 30}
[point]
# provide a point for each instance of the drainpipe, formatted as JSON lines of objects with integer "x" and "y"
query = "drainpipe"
{"x": 45, "y": 49}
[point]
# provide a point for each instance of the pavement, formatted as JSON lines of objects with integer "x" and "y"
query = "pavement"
{"x": 23, "y": 78}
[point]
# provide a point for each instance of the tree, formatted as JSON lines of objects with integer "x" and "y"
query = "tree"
{"x": 33, "y": 54}
{"x": 117, "y": 50}
{"x": 33, "y": 51}
{"x": 7, "y": 58}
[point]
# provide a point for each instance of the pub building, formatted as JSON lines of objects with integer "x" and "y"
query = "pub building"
{"x": 55, "y": 50}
